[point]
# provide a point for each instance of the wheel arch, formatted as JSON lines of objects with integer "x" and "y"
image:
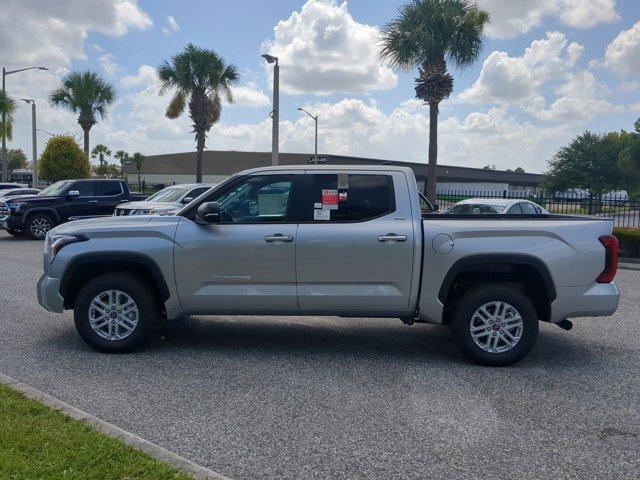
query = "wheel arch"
{"x": 521, "y": 269}
{"x": 91, "y": 265}
{"x": 46, "y": 210}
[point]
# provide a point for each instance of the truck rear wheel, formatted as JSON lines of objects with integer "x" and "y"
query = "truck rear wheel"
{"x": 495, "y": 325}
{"x": 37, "y": 226}
{"x": 115, "y": 312}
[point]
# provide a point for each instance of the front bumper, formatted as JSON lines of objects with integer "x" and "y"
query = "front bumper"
{"x": 49, "y": 294}
{"x": 597, "y": 300}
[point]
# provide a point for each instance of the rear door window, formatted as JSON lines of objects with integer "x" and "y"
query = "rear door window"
{"x": 350, "y": 197}
{"x": 528, "y": 208}
{"x": 107, "y": 189}
{"x": 515, "y": 210}
{"x": 85, "y": 189}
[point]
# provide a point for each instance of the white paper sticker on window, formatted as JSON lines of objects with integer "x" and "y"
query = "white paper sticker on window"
{"x": 320, "y": 214}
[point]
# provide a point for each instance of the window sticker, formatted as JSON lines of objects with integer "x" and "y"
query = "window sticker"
{"x": 320, "y": 214}
{"x": 317, "y": 205}
{"x": 329, "y": 199}
{"x": 343, "y": 197}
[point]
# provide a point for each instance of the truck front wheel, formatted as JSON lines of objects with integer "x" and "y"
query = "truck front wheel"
{"x": 115, "y": 312}
{"x": 495, "y": 325}
{"x": 38, "y": 225}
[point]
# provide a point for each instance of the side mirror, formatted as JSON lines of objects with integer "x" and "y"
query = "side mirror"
{"x": 187, "y": 200}
{"x": 436, "y": 208}
{"x": 73, "y": 193}
{"x": 208, "y": 213}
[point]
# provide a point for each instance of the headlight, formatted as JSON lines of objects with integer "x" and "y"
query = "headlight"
{"x": 15, "y": 206}
{"x": 54, "y": 243}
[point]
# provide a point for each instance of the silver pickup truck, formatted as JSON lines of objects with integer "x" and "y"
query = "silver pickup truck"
{"x": 349, "y": 241}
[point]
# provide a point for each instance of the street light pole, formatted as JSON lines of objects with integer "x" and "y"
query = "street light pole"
{"x": 275, "y": 113}
{"x": 34, "y": 142}
{"x": 6, "y": 72}
{"x": 315, "y": 119}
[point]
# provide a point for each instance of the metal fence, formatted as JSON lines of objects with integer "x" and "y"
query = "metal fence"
{"x": 624, "y": 211}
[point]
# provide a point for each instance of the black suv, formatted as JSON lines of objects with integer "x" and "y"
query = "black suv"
{"x": 66, "y": 200}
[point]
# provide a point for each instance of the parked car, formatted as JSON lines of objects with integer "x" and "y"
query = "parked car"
{"x": 479, "y": 206}
{"x": 14, "y": 192}
{"x": 6, "y": 186}
{"x": 331, "y": 240}
{"x": 66, "y": 200}
{"x": 165, "y": 202}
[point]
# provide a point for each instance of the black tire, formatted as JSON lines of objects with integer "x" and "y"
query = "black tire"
{"x": 462, "y": 318}
{"x": 15, "y": 233}
{"x": 37, "y": 226}
{"x": 141, "y": 293}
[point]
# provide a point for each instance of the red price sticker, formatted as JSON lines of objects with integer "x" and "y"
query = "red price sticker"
{"x": 329, "y": 199}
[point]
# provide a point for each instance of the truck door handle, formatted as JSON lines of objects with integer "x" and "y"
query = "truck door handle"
{"x": 278, "y": 237}
{"x": 93, "y": 201}
{"x": 392, "y": 237}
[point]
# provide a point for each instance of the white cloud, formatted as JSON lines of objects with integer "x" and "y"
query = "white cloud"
{"x": 146, "y": 75}
{"x": 623, "y": 53}
{"x": 629, "y": 86}
{"x": 108, "y": 64}
{"x": 248, "y": 96}
{"x": 323, "y": 50}
{"x": 510, "y": 18}
{"x": 547, "y": 66}
{"x": 53, "y": 33}
{"x": 171, "y": 26}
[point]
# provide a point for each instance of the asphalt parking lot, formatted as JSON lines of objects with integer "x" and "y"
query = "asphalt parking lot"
{"x": 331, "y": 398}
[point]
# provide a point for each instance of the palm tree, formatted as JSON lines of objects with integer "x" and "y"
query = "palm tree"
{"x": 100, "y": 151}
{"x": 202, "y": 77}
{"x": 8, "y": 107}
{"x": 123, "y": 157}
{"x": 87, "y": 94}
{"x": 427, "y": 34}
{"x": 138, "y": 159}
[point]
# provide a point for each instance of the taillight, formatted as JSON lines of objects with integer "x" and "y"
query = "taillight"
{"x": 610, "y": 244}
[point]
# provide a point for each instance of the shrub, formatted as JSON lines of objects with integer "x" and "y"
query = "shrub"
{"x": 63, "y": 159}
{"x": 629, "y": 239}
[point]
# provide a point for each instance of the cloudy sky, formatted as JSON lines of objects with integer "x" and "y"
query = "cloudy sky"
{"x": 550, "y": 70}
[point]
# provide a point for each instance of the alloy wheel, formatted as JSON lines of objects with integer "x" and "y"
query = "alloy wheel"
{"x": 496, "y": 327}
{"x": 113, "y": 315}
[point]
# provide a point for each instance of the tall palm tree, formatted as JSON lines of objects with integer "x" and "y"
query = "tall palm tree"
{"x": 123, "y": 157}
{"x": 8, "y": 107}
{"x": 86, "y": 94}
{"x": 138, "y": 159}
{"x": 100, "y": 151}
{"x": 202, "y": 77}
{"x": 427, "y": 34}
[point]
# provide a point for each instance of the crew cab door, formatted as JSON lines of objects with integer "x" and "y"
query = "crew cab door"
{"x": 355, "y": 249}
{"x": 106, "y": 196}
{"x": 81, "y": 206}
{"x": 246, "y": 263}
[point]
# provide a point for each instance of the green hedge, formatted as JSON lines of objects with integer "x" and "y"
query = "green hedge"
{"x": 629, "y": 239}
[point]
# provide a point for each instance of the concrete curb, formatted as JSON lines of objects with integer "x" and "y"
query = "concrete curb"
{"x": 190, "y": 468}
{"x": 629, "y": 266}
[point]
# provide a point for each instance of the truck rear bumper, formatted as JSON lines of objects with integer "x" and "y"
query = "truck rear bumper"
{"x": 49, "y": 294}
{"x": 597, "y": 300}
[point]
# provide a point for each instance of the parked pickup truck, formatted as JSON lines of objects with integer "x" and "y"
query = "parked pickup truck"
{"x": 63, "y": 201}
{"x": 331, "y": 240}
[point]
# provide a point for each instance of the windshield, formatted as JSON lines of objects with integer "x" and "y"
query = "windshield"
{"x": 168, "y": 195}
{"x": 55, "y": 189}
{"x": 475, "y": 209}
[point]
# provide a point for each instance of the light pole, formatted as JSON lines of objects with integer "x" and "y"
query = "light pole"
{"x": 34, "y": 142}
{"x": 275, "y": 113}
{"x": 315, "y": 118}
{"x": 6, "y": 72}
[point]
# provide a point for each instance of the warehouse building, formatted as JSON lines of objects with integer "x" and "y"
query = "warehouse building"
{"x": 173, "y": 168}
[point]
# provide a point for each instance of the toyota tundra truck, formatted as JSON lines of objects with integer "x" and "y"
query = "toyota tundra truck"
{"x": 348, "y": 241}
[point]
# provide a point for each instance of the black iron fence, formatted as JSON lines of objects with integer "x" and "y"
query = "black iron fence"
{"x": 624, "y": 211}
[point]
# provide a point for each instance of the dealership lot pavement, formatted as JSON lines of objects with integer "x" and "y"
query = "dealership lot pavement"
{"x": 336, "y": 398}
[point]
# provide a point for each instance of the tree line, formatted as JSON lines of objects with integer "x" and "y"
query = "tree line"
{"x": 598, "y": 162}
